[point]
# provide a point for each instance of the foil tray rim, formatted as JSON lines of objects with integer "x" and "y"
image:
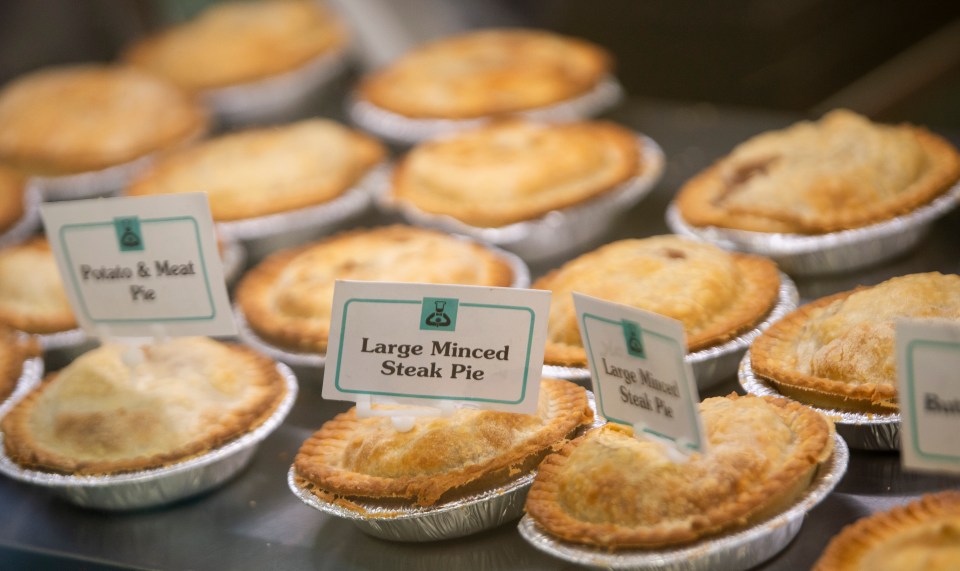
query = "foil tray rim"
{"x": 28, "y": 223}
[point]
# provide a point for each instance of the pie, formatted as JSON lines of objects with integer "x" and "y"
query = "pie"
{"x": 715, "y": 294}
{"x": 266, "y": 171}
{"x": 838, "y": 352}
{"x": 32, "y": 297}
{"x": 287, "y": 299}
{"x": 610, "y": 489}
{"x": 240, "y": 42}
{"x": 440, "y": 458}
{"x": 838, "y": 173}
{"x": 923, "y": 535}
{"x": 486, "y": 73}
{"x": 515, "y": 170}
{"x": 119, "y": 409}
{"x": 14, "y": 351}
{"x": 89, "y": 117}
{"x": 12, "y": 198}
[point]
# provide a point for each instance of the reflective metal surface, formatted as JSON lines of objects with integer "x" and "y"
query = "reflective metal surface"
{"x": 29, "y": 223}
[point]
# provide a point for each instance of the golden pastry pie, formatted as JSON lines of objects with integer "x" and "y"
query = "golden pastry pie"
{"x": 89, "y": 117}
{"x": 14, "y": 350}
{"x": 32, "y": 297}
{"x": 440, "y": 457}
{"x": 118, "y": 409}
{"x": 12, "y": 198}
{"x": 485, "y": 73}
{"x": 610, "y": 489}
{"x": 287, "y": 298}
{"x": 923, "y": 535}
{"x": 838, "y": 351}
{"x": 715, "y": 294}
{"x": 266, "y": 171}
{"x": 815, "y": 177}
{"x": 514, "y": 170}
{"x": 238, "y": 42}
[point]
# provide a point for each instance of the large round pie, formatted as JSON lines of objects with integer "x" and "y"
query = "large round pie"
{"x": 486, "y": 73}
{"x": 367, "y": 459}
{"x": 838, "y": 352}
{"x": 32, "y": 297}
{"x": 714, "y": 293}
{"x": 287, "y": 299}
{"x": 610, "y": 489}
{"x": 514, "y": 170}
{"x": 838, "y": 173}
{"x": 119, "y": 409}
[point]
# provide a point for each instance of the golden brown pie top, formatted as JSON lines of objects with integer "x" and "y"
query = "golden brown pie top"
{"x": 715, "y": 294}
{"x": 514, "y": 170}
{"x": 14, "y": 350}
{"x": 837, "y": 173}
{"x": 89, "y": 117}
{"x": 32, "y": 297}
{"x": 838, "y": 351}
{"x": 287, "y": 298}
{"x": 610, "y": 489}
{"x": 369, "y": 459}
{"x": 488, "y": 72}
{"x": 238, "y": 42}
{"x": 117, "y": 409}
{"x": 12, "y": 198}
{"x": 266, "y": 171}
{"x": 923, "y": 535}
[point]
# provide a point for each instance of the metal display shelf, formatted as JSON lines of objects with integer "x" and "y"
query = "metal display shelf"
{"x": 254, "y": 522}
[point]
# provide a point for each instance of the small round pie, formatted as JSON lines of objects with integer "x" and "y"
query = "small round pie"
{"x": 923, "y": 535}
{"x": 32, "y": 297}
{"x": 610, "y": 489}
{"x": 120, "y": 409}
{"x": 266, "y": 171}
{"x": 82, "y": 118}
{"x": 367, "y": 459}
{"x": 715, "y": 294}
{"x": 233, "y": 43}
{"x": 14, "y": 350}
{"x": 838, "y": 351}
{"x": 839, "y": 173}
{"x": 287, "y": 299}
{"x": 514, "y": 170}
{"x": 487, "y": 73}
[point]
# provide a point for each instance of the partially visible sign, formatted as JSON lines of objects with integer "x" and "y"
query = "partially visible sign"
{"x": 425, "y": 343}
{"x": 138, "y": 266}
{"x": 640, "y": 377}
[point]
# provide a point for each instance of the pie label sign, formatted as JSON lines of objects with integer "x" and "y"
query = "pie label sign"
{"x": 425, "y": 344}
{"x": 640, "y": 377}
{"x": 928, "y": 359}
{"x": 140, "y": 267}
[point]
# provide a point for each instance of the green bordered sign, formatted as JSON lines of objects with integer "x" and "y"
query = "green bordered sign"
{"x": 928, "y": 361}
{"x": 640, "y": 377}
{"x": 139, "y": 266}
{"x": 424, "y": 343}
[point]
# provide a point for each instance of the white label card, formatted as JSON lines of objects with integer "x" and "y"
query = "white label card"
{"x": 425, "y": 344}
{"x": 928, "y": 361}
{"x": 140, "y": 267}
{"x": 640, "y": 377}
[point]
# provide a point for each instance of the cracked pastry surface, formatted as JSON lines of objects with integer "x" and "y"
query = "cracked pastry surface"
{"x": 32, "y": 297}
{"x": 610, "y": 489}
{"x": 715, "y": 294}
{"x": 514, "y": 170}
{"x": 838, "y": 173}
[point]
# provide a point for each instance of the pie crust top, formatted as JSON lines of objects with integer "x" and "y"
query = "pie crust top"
{"x": 487, "y": 72}
{"x": 923, "y": 535}
{"x": 610, "y": 489}
{"x": 287, "y": 299}
{"x": 239, "y": 42}
{"x": 838, "y": 173}
{"x": 89, "y": 117}
{"x": 118, "y": 409}
{"x": 838, "y": 351}
{"x": 14, "y": 350}
{"x": 514, "y": 170}
{"x": 715, "y": 294}
{"x": 367, "y": 459}
{"x": 12, "y": 198}
{"x": 32, "y": 297}
{"x": 266, "y": 171}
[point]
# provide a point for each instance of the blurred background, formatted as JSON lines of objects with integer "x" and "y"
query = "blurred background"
{"x": 889, "y": 59}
